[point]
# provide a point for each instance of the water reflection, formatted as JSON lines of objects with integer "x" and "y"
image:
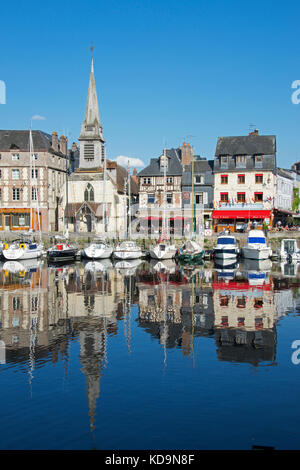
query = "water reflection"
{"x": 44, "y": 309}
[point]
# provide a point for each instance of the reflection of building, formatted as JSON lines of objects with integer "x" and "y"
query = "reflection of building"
{"x": 245, "y": 316}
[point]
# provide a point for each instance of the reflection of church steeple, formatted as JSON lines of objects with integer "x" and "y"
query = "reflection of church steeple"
{"x": 92, "y": 351}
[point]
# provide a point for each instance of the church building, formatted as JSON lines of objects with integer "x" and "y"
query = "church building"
{"x": 96, "y": 200}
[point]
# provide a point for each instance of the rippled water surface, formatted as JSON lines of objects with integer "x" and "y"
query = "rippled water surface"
{"x": 152, "y": 355}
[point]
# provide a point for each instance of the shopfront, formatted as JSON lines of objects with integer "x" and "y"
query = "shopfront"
{"x": 233, "y": 219}
{"x": 18, "y": 219}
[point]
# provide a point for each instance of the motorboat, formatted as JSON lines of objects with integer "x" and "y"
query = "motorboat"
{"x": 62, "y": 251}
{"x": 289, "y": 250}
{"x": 128, "y": 250}
{"x": 98, "y": 249}
{"x": 191, "y": 251}
{"x": 256, "y": 247}
{"x": 22, "y": 248}
{"x": 226, "y": 247}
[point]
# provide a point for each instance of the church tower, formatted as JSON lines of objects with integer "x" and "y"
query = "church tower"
{"x": 92, "y": 150}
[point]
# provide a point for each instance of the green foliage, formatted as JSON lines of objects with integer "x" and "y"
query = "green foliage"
{"x": 296, "y": 200}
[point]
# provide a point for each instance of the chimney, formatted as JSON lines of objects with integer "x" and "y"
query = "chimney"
{"x": 134, "y": 176}
{"x": 54, "y": 142}
{"x": 63, "y": 144}
{"x": 186, "y": 154}
{"x": 255, "y": 132}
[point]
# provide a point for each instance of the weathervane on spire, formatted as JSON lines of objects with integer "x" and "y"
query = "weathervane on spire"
{"x": 91, "y": 49}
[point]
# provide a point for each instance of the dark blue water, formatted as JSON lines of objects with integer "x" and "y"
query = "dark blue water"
{"x": 146, "y": 359}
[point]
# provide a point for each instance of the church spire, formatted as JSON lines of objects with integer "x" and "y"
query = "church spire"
{"x": 91, "y": 136}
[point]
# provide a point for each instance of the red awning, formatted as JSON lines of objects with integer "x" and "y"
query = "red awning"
{"x": 241, "y": 214}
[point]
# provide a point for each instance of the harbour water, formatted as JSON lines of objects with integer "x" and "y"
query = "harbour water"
{"x": 102, "y": 355}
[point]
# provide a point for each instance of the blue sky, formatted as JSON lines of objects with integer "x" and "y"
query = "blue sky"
{"x": 164, "y": 70}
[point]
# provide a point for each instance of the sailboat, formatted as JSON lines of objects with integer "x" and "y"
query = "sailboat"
{"x": 163, "y": 249}
{"x": 98, "y": 249}
{"x": 24, "y": 247}
{"x": 62, "y": 251}
{"x": 191, "y": 251}
{"x": 128, "y": 249}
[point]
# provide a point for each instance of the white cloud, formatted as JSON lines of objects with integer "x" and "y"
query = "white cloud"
{"x": 37, "y": 117}
{"x": 133, "y": 162}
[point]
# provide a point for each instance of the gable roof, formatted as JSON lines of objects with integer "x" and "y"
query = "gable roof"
{"x": 246, "y": 145}
{"x": 174, "y": 165}
{"x": 11, "y": 139}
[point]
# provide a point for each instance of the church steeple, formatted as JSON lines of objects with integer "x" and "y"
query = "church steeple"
{"x": 91, "y": 136}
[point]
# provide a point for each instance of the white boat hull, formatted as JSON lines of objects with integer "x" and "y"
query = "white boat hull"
{"x": 225, "y": 255}
{"x": 22, "y": 254}
{"x": 97, "y": 253}
{"x": 168, "y": 253}
{"x": 256, "y": 253}
{"x": 123, "y": 255}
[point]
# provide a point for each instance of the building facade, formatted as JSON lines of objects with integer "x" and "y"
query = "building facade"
{"x": 244, "y": 180}
{"x": 16, "y": 192}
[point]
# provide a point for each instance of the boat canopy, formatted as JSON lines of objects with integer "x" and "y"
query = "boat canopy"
{"x": 226, "y": 241}
{"x": 257, "y": 240}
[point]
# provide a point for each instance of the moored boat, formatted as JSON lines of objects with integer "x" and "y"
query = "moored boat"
{"x": 61, "y": 252}
{"x": 22, "y": 248}
{"x": 127, "y": 250}
{"x": 191, "y": 251}
{"x": 226, "y": 247}
{"x": 163, "y": 251}
{"x": 256, "y": 247}
{"x": 98, "y": 249}
{"x": 289, "y": 250}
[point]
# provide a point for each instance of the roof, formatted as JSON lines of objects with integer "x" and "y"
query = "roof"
{"x": 284, "y": 173}
{"x": 10, "y": 139}
{"x": 174, "y": 165}
{"x": 246, "y": 145}
{"x": 200, "y": 166}
{"x": 96, "y": 208}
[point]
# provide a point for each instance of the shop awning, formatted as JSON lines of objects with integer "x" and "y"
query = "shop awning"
{"x": 241, "y": 214}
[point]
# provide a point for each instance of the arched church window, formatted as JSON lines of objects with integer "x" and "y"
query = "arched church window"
{"x": 89, "y": 193}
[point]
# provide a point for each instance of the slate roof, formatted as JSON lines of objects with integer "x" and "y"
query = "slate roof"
{"x": 10, "y": 139}
{"x": 284, "y": 173}
{"x": 204, "y": 167}
{"x": 174, "y": 165}
{"x": 246, "y": 145}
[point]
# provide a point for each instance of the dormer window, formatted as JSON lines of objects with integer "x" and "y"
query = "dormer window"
{"x": 199, "y": 179}
{"x": 258, "y": 159}
{"x": 224, "y": 161}
{"x": 163, "y": 162}
{"x": 240, "y": 161}
{"x": 15, "y": 156}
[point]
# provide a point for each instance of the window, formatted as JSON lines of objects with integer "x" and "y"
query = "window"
{"x": 15, "y": 174}
{"x": 241, "y": 179}
{"x": 147, "y": 181}
{"x": 224, "y": 321}
{"x": 163, "y": 162}
{"x": 89, "y": 193}
{"x": 16, "y": 194}
{"x": 224, "y": 300}
{"x": 199, "y": 179}
{"x": 0, "y": 194}
{"x": 0, "y": 173}
{"x": 21, "y": 220}
{"x": 241, "y": 302}
{"x": 224, "y": 179}
{"x": 89, "y": 152}
{"x": 169, "y": 198}
{"x": 16, "y": 303}
{"x": 169, "y": 180}
{"x": 199, "y": 198}
{"x": 35, "y": 156}
{"x": 34, "y": 174}
{"x": 258, "y": 197}
{"x": 258, "y": 302}
{"x": 15, "y": 157}
{"x": 240, "y": 161}
{"x": 151, "y": 198}
{"x": 259, "y": 179}
{"x": 241, "y": 197}
{"x": 102, "y": 153}
{"x": 224, "y": 197}
{"x": 258, "y": 323}
{"x": 224, "y": 161}
{"x": 34, "y": 194}
{"x": 258, "y": 159}
{"x": 241, "y": 321}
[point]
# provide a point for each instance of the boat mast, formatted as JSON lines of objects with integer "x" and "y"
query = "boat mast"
{"x": 193, "y": 198}
{"x": 30, "y": 191}
{"x": 104, "y": 191}
{"x": 129, "y": 194}
{"x": 165, "y": 196}
{"x": 67, "y": 192}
